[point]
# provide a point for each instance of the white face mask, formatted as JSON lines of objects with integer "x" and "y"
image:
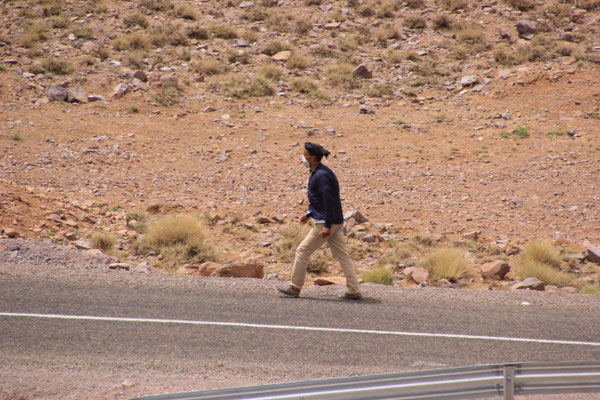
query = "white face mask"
{"x": 305, "y": 162}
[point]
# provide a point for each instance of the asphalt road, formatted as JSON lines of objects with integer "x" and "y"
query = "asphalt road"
{"x": 262, "y": 353}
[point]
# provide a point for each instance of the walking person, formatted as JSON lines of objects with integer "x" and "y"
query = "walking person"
{"x": 325, "y": 209}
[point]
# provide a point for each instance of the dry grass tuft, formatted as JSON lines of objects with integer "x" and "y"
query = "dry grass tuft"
{"x": 135, "y": 40}
{"x": 34, "y": 35}
{"x": 304, "y": 86}
{"x": 270, "y": 71}
{"x": 521, "y": 5}
{"x": 379, "y": 275}
{"x": 178, "y": 238}
{"x": 157, "y": 5}
{"x": 447, "y": 263}
{"x": 340, "y": 75}
{"x": 186, "y": 12}
{"x": 416, "y": 22}
{"x": 443, "y": 21}
{"x": 453, "y": 5}
{"x": 210, "y": 66}
{"x": 299, "y": 60}
{"x": 104, "y": 241}
{"x": 255, "y": 86}
{"x": 274, "y": 46}
{"x": 52, "y": 65}
{"x": 136, "y": 19}
{"x": 541, "y": 260}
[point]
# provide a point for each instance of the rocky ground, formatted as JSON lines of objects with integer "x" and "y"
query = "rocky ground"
{"x": 474, "y": 122}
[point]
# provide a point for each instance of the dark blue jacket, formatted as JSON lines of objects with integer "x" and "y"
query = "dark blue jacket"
{"x": 324, "y": 196}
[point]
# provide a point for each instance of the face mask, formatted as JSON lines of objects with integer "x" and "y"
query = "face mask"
{"x": 305, "y": 162}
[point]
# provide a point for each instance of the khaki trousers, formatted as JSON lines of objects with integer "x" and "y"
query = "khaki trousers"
{"x": 337, "y": 244}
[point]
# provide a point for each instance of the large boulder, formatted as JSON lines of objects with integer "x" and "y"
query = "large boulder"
{"x": 420, "y": 275}
{"x": 495, "y": 269}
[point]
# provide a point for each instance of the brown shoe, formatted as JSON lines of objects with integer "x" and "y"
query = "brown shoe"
{"x": 349, "y": 296}
{"x": 289, "y": 291}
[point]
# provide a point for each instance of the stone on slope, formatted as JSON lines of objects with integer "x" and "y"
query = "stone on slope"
{"x": 362, "y": 71}
{"x": 77, "y": 95}
{"x": 592, "y": 254}
{"x": 419, "y": 275}
{"x": 469, "y": 80}
{"x": 525, "y": 28}
{"x": 57, "y": 93}
{"x": 240, "y": 271}
{"x": 282, "y": 56}
{"x": 529, "y": 283}
{"x": 495, "y": 269}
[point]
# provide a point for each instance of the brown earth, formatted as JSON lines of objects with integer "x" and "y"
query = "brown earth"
{"x": 437, "y": 158}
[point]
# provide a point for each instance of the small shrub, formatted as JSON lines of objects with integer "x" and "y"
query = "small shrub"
{"x": 453, "y": 5}
{"x": 51, "y": 9}
{"x": 60, "y": 22}
{"x": 136, "y": 19}
{"x": 169, "y": 95}
{"x": 179, "y": 238}
{"x": 442, "y": 21}
{"x": 415, "y": 22}
{"x": 280, "y": 21}
{"x": 506, "y": 56}
{"x": 134, "y": 109}
{"x": 274, "y": 46}
{"x": 471, "y": 33}
{"x": 447, "y": 263}
{"x": 3, "y": 68}
{"x": 543, "y": 252}
{"x": 210, "y": 66}
{"x": 197, "y": 31}
{"x": 415, "y": 4}
{"x": 238, "y": 56}
{"x": 104, "y": 241}
{"x": 522, "y": 132}
{"x": 302, "y": 26}
{"x": 186, "y": 12}
{"x": 17, "y": 137}
{"x": 386, "y": 9}
{"x": 103, "y": 53}
{"x": 34, "y": 34}
{"x": 379, "y": 275}
{"x": 386, "y": 32}
{"x": 590, "y": 289}
{"x": 317, "y": 265}
{"x": 555, "y": 132}
{"x": 136, "y": 221}
{"x": 84, "y": 32}
{"x": 299, "y": 60}
{"x": 135, "y": 40}
{"x": 52, "y": 65}
{"x": 250, "y": 35}
{"x": 157, "y": 5}
{"x": 167, "y": 33}
{"x": 256, "y": 14}
{"x": 527, "y": 267}
{"x": 270, "y": 71}
{"x": 340, "y": 75}
{"x": 304, "y": 85}
{"x": 256, "y": 86}
{"x": 379, "y": 89}
{"x": 134, "y": 60}
{"x": 521, "y": 5}
{"x": 223, "y": 30}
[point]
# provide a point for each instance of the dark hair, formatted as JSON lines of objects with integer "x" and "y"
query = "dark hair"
{"x": 316, "y": 150}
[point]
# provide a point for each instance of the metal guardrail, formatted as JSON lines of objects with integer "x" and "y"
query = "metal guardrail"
{"x": 505, "y": 380}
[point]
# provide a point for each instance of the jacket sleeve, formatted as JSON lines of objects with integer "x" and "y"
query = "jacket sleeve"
{"x": 326, "y": 192}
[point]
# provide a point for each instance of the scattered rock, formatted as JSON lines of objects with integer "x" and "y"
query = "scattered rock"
{"x": 356, "y": 215}
{"x": 169, "y": 81}
{"x": 57, "y": 93}
{"x": 141, "y": 75}
{"x": 369, "y": 238}
{"x": 240, "y": 271}
{"x": 469, "y": 80}
{"x": 494, "y": 270}
{"x": 246, "y": 4}
{"x": 529, "y": 283}
{"x": 282, "y": 56}
{"x": 119, "y": 266}
{"x": 525, "y": 28}
{"x": 332, "y": 280}
{"x": 77, "y": 95}
{"x": 366, "y": 110}
{"x": 362, "y": 71}
{"x": 592, "y": 254}
{"x": 11, "y": 233}
{"x": 208, "y": 268}
{"x": 419, "y": 275}
{"x": 95, "y": 97}
{"x": 82, "y": 245}
{"x": 473, "y": 235}
{"x": 121, "y": 90}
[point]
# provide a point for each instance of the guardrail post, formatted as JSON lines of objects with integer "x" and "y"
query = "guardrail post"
{"x": 509, "y": 382}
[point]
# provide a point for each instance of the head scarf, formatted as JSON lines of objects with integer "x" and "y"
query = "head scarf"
{"x": 316, "y": 150}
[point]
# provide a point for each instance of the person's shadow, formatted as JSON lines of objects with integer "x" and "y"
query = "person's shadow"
{"x": 364, "y": 300}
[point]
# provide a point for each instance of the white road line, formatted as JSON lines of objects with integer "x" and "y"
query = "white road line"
{"x": 299, "y": 328}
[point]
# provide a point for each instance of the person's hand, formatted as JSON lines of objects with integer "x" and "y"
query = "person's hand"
{"x": 303, "y": 219}
{"x": 325, "y": 232}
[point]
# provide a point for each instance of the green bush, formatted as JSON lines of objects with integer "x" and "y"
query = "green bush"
{"x": 255, "y": 86}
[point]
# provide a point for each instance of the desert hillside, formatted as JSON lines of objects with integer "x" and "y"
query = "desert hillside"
{"x": 459, "y": 129}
